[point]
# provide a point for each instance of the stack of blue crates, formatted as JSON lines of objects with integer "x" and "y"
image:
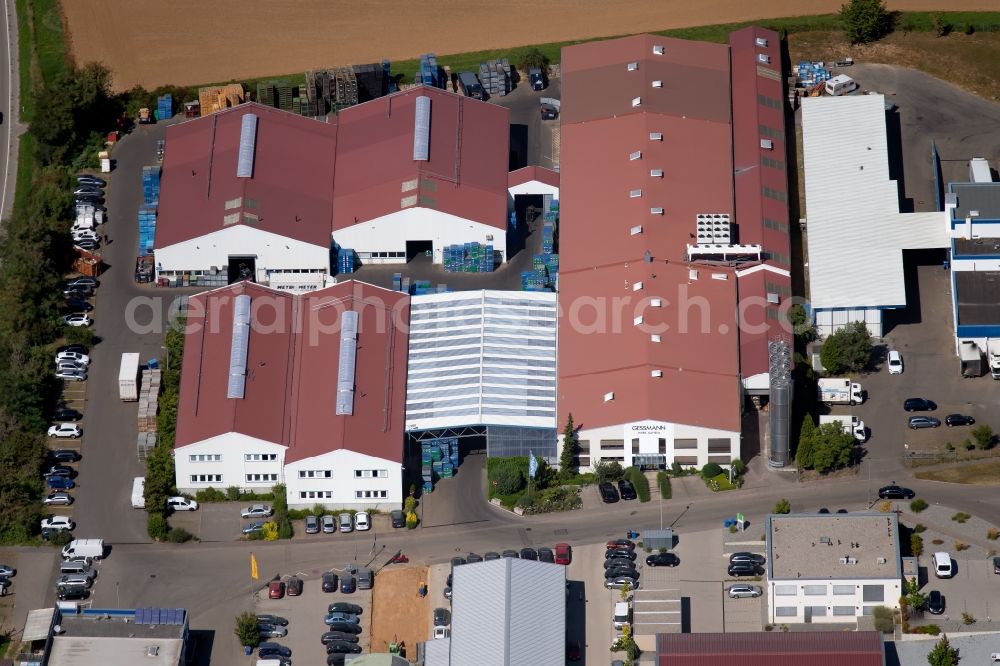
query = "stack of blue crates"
{"x": 533, "y": 281}
{"x": 426, "y": 466}
{"x": 429, "y": 74}
{"x": 810, "y": 74}
{"x": 469, "y": 258}
{"x": 421, "y": 287}
{"x": 397, "y": 282}
{"x": 151, "y": 185}
{"x": 345, "y": 260}
{"x": 164, "y": 107}
{"x": 147, "y": 229}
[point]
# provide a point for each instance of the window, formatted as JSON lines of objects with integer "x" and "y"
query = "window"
{"x": 691, "y": 443}
{"x": 635, "y": 446}
{"x": 772, "y": 193}
{"x": 637, "y": 101}
{"x": 315, "y": 473}
{"x": 315, "y": 494}
{"x": 656, "y": 136}
{"x": 656, "y": 211}
{"x": 657, "y": 83}
{"x": 764, "y": 58}
{"x": 205, "y": 457}
{"x": 635, "y": 155}
{"x": 371, "y": 494}
{"x": 785, "y": 611}
{"x": 206, "y": 478}
{"x": 784, "y": 591}
{"x": 371, "y": 473}
{"x": 635, "y": 194}
{"x": 769, "y": 102}
{"x": 612, "y": 444}
{"x": 632, "y": 66}
{"x": 719, "y": 445}
{"x": 657, "y": 49}
{"x": 816, "y": 611}
{"x": 843, "y": 610}
{"x": 843, "y": 589}
{"x": 777, "y": 226}
{"x": 873, "y": 593}
{"x": 257, "y": 457}
{"x": 261, "y": 478}
{"x": 656, "y": 173}
{"x": 583, "y": 445}
{"x": 760, "y": 41}
{"x": 635, "y": 231}
{"x": 663, "y": 446}
{"x": 773, "y": 164}
{"x": 771, "y": 132}
{"x": 814, "y": 590}
{"x": 654, "y": 337}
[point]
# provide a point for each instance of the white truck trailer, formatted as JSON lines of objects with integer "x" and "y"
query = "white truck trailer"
{"x": 852, "y": 425}
{"x": 993, "y": 352}
{"x": 840, "y": 391}
{"x": 128, "y": 375}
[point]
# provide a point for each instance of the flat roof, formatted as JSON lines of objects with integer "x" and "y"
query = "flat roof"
{"x": 777, "y": 648}
{"x": 977, "y": 295}
{"x": 812, "y": 546}
{"x": 976, "y": 247}
{"x": 981, "y": 197}
{"x": 101, "y": 639}
{"x": 855, "y": 231}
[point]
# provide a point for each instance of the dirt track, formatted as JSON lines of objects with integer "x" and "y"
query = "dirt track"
{"x": 197, "y": 41}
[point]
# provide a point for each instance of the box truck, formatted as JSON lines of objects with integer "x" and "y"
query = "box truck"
{"x": 852, "y": 425}
{"x": 84, "y": 548}
{"x": 993, "y": 348}
{"x": 840, "y": 391}
{"x": 128, "y": 373}
{"x": 139, "y": 492}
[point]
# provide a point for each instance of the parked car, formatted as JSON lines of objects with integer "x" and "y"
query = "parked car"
{"x": 60, "y": 483}
{"x": 996, "y": 565}
{"x": 744, "y": 569}
{"x": 442, "y": 617}
{"x": 529, "y": 554}
{"x": 276, "y": 589}
{"x": 255, "y": 526}
{"x": 76, "y": 305}
{"x": 619, "y": 583}
{"x": 895, "y": 363}
{"x": 626, "y": 490}
{"x": 744, "y": 591}
{"x": 619, "y": 570}
{"x": 618, "y": 562}
{"x": 348, "y": 585}
{"x": 564, "y": 554}
{"x": 312, "y": 524}
{"x": 943, "y": 564}
{"x": 329, "y": 523}
{"x": 330, "y": 582}
{"x": 919, "y": 422}
{"x": 272, "y": 619}
{"x": 621, "y": 543}
{"x": 491, "y": 555}
{"x": 87, "y": 244}
{"x": 72, "y": 593}
{"x": 549, "y": 113}
{"x": 333, "y": 618}
{"x": 79, "y": 349}
{"x": 65, "y": 430}
{"x": 573, "y": 650}
{"x": 935, "y": 603}
{"x": 72, "y": 375}
{"x": 60, "y": 498}
{"x": 75, "y": 580}
{"x": 619, "y": 552}
{"x": 60, "y": 470}
{"x": 511, "y": 553}
{"x": 958, "y": 420}
{"x": 88, "y": 189}
{"x": 64, "y": 455}
{"x": 181, "y": 504}
{"x": 294, "y": 586}
{"x": 344, "y": 607}
{"x": 362, "y": 522}
{"x": 273, "y": 650}
{"x": 472, "y": 557}
{"x": 345, "y": 627}
{"x": 346, "y": 522}
{"x": 256, "y": 511}
{"x": 546, "y": 555}
{"x": 331, "y": 636}
{"x": 895, "y": 492}
{"x": 77, "y": 320}
{"x": 919, "y": 405}
{"x": 58, "y": 523}
{"x": 70, "y": 366}
{"x": 753, "y": 558}
{"x": 271, "y": 631}
{"x": 65, "y": 414}
{"x": 608, "y": 493}
{"x": 662, "y": 560}
{"x": 342, "y": 647}
{"x": 398, "y": 518}
{"x": 88, "y": 179}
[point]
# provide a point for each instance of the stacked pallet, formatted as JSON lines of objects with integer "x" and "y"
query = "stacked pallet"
{"x": 345, "y": 260}
{"x": 469, "y": 258}
{"x": 495, "y": 76}
{"x": 429, "y": 73}
{"x": 373, "y": 80}
{"x": 217, "y": 98}
{"x": 148, "y": 399}
{"x": 164, "y": 107}
{"x": 332, "y": 89}
{"x": 151, "y": 185}
{"x": 145, "y": 444}
{"x": 147, "y": 229}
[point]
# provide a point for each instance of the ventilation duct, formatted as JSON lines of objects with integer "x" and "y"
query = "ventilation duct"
{"x": 238, "y": 352}
{"x": 422, "y": 129}
{"x": 248, "y": 143}
{"x": 348, "y": 356}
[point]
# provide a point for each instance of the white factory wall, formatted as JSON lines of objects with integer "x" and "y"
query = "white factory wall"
{"x": 831, "y": 321}
{"x": 333, "y": 479}
{"x": 678, "y": 438}
{"x": 273, "y": 252}
{"x": 232, "y": 459}
{"x": 829, "y": 600}
{"x": 389, "y": 233}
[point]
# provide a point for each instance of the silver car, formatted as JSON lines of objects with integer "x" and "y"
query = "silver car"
{"x": 346, "y": 522}
{"x": 272, "y": 631}
{"x": 58, "y": 498}
{"x": 72, "y": 375}
{"x": 75, "y": 580}
{"x": 744, "y": 591}
{"x": 329, "y": 524}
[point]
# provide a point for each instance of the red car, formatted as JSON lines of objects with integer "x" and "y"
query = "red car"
{"x": 276, "y": 589}
{"x": 563, "y": 553}
{"x": 573, "y": 650}
{"x": 621, "y": 543}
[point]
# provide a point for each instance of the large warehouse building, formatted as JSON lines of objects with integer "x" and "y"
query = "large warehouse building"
{"x": 674, "y": 244}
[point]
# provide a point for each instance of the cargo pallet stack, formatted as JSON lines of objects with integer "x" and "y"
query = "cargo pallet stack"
{"x": 148, "y": 399}
{"x": 372, "y": 80}
{"x": 810, "y": 74}
{"x": 469, "y": 258}
{"x": 427, "y": 467}
{"x": 145, "y": 444}
{"x": 147, "y": 229}
{"x": 345, "y": 260}
{"x": 422, "y": 287}
{"x": 217, "y": 98}
{"x": 151, "y": 185}
{"x": 533, "y": 281}
{"x": 397, "y": 282}
{"x": 430, "y": 73}
{"x": 495, "y": 76}
{"x": 164, "y": 107}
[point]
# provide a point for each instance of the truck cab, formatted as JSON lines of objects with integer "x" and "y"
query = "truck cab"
{"x": 852, "y": 425}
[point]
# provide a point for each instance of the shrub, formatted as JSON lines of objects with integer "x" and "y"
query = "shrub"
{"x": 783, "y": 506}
{"x": 60, "y": 539}
{"x": 967, "y": 618}
{"x": 210, "y": 495}
{"x": 949, "y": 447}
{"x": 270, "y": 532}
{"x": 983, "y": 434}
{"x": 156, "y": 526}
{"x": 178, "y": 535}
{"x": 918, "y": 505}
{"x": 411, "y": 520}
{"x": 298, "y": 514}
{"x": 916, "y": 545}
{"x": 639, "y": 481}
{"x": 318, "y": 510}
{"x": 508, "y": 480}
{"x": 285, "y": 529}
{"x": 883, "y": 619}
{"x": 410, "y": 504}
{"x": 919, "y": 527}
{"x": 930, "y": 629}
{"x": 233, "y": 493}
{"x": 967, "y": 445}
{"x": 961, "y": 517}
{"x": 738, "y": 467}
{"x": 608, "y": 471}
{"x": 663, "y": 481}
{"x": 710, "y": 470}
{"x": 732, "y": 529}
{"x": 960, "y": 546}
{"x": 676, "y": 469}
{"x": 992, "y": 534}
{"x": 247, "y": 629}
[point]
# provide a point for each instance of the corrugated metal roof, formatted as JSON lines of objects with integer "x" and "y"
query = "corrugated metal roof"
{"x": 530, "y": 173}
{"x": 818, "y": 648}
{"x": 855, "y": 231}
{"x": 509, "y": 612}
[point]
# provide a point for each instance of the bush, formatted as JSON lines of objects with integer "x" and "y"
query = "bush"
{"x": 156, "y": 526}
{"x": 635, "y": 476}
{"x": 60, "y": 538}
{"x": 247, "y": 629}
{"x": 916, "y": 545}
{"x": 663, "y": 481}
{"x": 738, "y": 467}
{"x": 783, "y": 506}
{"x": 298, "y": 514}
{"x": 210, "y": 495}
{"x": 960, "y": 546}
{"x": 410, "y": 504}
{"x": 992, "y": 534}
{"x": 961, "y": 517}
{"x": 411, "y": 521}
{"x": 967, "y": 618}
{"x": 865, "y": 21}
{"x": 937, "y": 542}
{"x": 508, "y": 480}
{"x": 285, "y": 530}
{"x": 967, "y": 445}
{"x": 608, "y": 472}
{"x": 883, "y": 619}
{"x": 710, "y": 470}
{"x": 929, "y": 629}
{"x": 551, "y": 499}
{"x": 677, "y": 469}
{"x": 918, "y": 505}
{"x": 919, "y": 527}
{"x": 178, "y": 535}
{"x": 983, "y": 434}
{"x": 233, "y": 493}
{"x": 270, "y": 532}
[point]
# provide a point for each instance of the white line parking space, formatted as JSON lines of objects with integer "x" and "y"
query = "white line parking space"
{"x": 656, "y": 605}
{"x": 742, "y": 614}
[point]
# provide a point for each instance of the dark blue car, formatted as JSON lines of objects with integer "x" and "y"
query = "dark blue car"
{"x": 60, "y": 483}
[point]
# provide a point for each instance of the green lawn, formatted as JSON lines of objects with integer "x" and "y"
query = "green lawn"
{"x": 722, "y": 483}
{"x": 980, "y": 474}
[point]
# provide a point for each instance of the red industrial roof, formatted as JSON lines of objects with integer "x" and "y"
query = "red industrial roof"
{"x": 530, "y": 173}
{"x": 612, "y": 175}
{"x": 817, "y": 648}
{"x": 465, "y": 175}
{"x": 292, "y": 365}
{"x": 290, "y": 192}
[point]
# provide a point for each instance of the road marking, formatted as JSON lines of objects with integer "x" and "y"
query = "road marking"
{"x": 10, "y": 100}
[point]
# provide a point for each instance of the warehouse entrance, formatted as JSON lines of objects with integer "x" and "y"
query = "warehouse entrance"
{"x": 416, "y": 249}
{"x": 242, "y": 267}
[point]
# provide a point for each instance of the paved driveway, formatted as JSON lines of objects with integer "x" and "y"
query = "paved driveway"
{"x": 743, "y": 614}
{"x": 460, "y": 499}
{"x": 531, "y": 137}
{"x": 974, "y": 590}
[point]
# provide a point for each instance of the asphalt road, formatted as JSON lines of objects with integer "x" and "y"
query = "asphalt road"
{"x": 9, "y": 105}
{"x": 531, "y": 137}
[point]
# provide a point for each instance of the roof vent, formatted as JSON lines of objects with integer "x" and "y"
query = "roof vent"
{"x": 656, "y": 303}
{"x": 634, "y": 194}
{"x": 422, "y": 128}
{"x": 238, "y": 351}
{"x": 154, "y": 650}
{"x": 635, "y": 231}
{"x": 657, "y": 83}
{"x": 636, "y": 101}
{"x": 767, "y": 144}
{"x": 655, "y": 337}
{"x": 656, "y": 136}
{"x": 693, "y": 274}
{"x": 880, "y": 560}
{"x": 635, "y": 155}
{"x": 656, "y": 373}
{"x": 632, "y": 66}
{"x": 656, "y": 211}
{"x": 345, "y": 369}
{"x": 608, "y": 397}
{"x": 656, "y": 173}
{"x": 248, "y": 142}
{"x": 760, "y": 41}
{"x": 637, "y": 321}
{"x": 657, "y": 49}
{"x": 637, "y": 286}
{"x": 764, "y": 58}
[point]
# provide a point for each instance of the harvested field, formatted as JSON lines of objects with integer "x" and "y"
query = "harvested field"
{"x": 187, "y": 42}
{"x": 398, "y": 612}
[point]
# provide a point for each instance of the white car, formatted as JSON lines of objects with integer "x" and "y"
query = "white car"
{"x": 361, "y": 521}
{"x": 895, "y": 363}
{"x": 181, "y": 504}
{"x": 58, "y": 523}
{"x": 78, "y": 320}
{"x": 61, "y": 430}
{"x": 256, "y": 511}
{"x": 442, "y": 632}
{"x": 73, "y": 356}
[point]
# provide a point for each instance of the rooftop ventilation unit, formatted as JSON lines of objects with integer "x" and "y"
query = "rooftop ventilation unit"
{"x": 760, "y": 41}
{"x": 248, "y": 143}
{"x": 656, "y": 136}
{"x": 656, "y": 173}
{"x": 422, "y": 129}
{"x": 713, "y": 228}
{"x": 656, "y": 211}
{"x": 657, "y": 83}
{"x": 636, "y": 230}
{"x": 635, "y": 155}
{"x": 655, "y": 337}
{"x": 656, "y": 373}
{"x": 692, "y": 274}
{"x": 345, "y": 369}
{"x": 657, "y": 49}
{"x": 764, "y": 58}
{"x": 637, "y": 286}
{"x": 632, "y": 66}
{"x": 636, "y": 101}
{"x": 767, "y": 144}
{"x": 238, "y": 352}
{"x": 725, "y": 253}
{"x": 608, "y": 397}
{"x": 634, "y": 194}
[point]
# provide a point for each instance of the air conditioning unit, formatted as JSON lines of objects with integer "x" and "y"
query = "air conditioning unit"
{"x": 880, "y": 560}
{"x": 767, "y": 144}
{"x": 764, "y": 58}
{"x": 657, "y": 50}
{"x": 760, "y": 41}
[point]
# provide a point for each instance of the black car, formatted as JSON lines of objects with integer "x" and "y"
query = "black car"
{"x": 472, "y": 558}
{"x": 996, "y": 565}
{"x": 64, "y": 455}
{"x": 619, "y": 553}
{"x": 268, "y": 649}
{"x": 823, "y": 510}
{"x": 919, "y": 405}
{"x": 276, "y": 620}
{"x": 91, "y": 180}
{"x": 87, "y": 244}
{"x": 335, "y": 659}
{"x": 510, "y": 553}
{"x": 77, "y": 304}
{"x": 82, "y": 282}
{"x": 76, "y": 291}
{"x": 620, "y": 572}
{"x": 546, "y": 555}
{"x": 344, "y": 627}
{"x": 549, "y": 113}
{"x": 442, "y": 617}
{"x": 457, "y": 562}
{"x": 490, "y": 556}
{"x": 752, "y": 558}
{"x": 626, "y": 490}
{"x": 895, "y": 492}
{"x": 958, "y": 420}
{"x": 66, "y": 414}
{"x": 744, "y": 569}
{"x": 935, "y": 603}
{"x": 330, "y": 582}
{"x": 342, "y": 647}
{"x": 663, "y": 560}
{"x": 331, "y": 636}
{"x": 397, "y": 518}
{"x": 348, "y": 585}
{"x": 529, "y": 554}
{"x": 344, "y": 607}
{"x": 618, "y": 562}
{"x": 73, "y": 593}
{"x": 608, "y": 493}
{"x": 919, "y": 422}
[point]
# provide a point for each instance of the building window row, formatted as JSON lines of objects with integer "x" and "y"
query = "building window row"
{"x": 371, "y": 474}
{"x": 770, "y": 102}
{"x": 260, "y": 457}
{"x": 371, "y": 494}
{"x": 295, "y": 270}
{"x": 774, "y": 164}
{"x": 772, "y": 193}
{"x": 260, "y": 478}
{"x": 382, "y": 255}
{"x": 780, "y": 289}
{"x": 777, "y": 257}
{"x": 773, "y": 313}
{"x": 315, "y": 494}
{"x": 206, "y": 478}
{"x": 771, "y": 132}
{"x": 774, "y": 224}
{"x": 205, "y": 457}
{"x": 315, "y": 473}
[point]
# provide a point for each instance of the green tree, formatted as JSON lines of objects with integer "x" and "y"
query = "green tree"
{"x": 531, "y": 57}
{"x": 914, "y": 598}
{"x": 738, "y": 466}
{"x": 943, "y": 654}
{"x": 156, "y": 526}
{"x": 849, "y": 349}
{"x": 711, "y": 470}
{"x": 567, "y": 457}
{"x": 802, "y": 326}
{"x": 247, "y": 629}
{"x": 608, "y": 471}
{"x": 882, "y": 619}
{"x": 916, "y": 545}
{"x": 508, "y": 480}
{"x": 783, "y": 506}
{"x": 983, "y": 434}
{"x": 832, "y": 448}
{"x": 865, "y": 21}
{"x": 804, "y": 451}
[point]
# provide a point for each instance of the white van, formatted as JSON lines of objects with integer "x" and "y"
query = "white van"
{"x": 269, "y": 662}
{"x": 942, "y": 565}
{"x": 84, "y": 548}
{"x": 139, "y": 492}
{"x": 623, "y": 614}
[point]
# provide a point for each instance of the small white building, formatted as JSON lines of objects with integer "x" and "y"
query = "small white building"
{"x": 831, "y": 567}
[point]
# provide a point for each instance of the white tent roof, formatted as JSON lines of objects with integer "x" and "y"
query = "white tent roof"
{"x": 855, "y": 231}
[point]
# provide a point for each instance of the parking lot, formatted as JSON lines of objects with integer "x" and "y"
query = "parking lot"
{"x": 974, "y": 590}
